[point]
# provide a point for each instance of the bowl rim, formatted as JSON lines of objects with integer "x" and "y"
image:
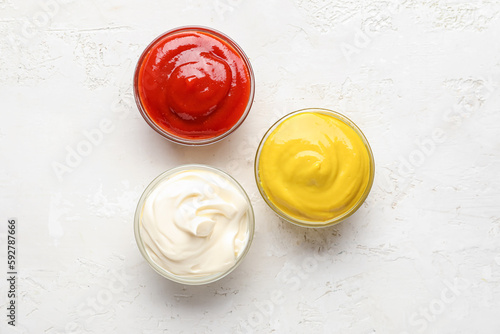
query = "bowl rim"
{"x": 195, "y": 280}
{"x": 170, "y": 136}
{"x": 307, "y": 223}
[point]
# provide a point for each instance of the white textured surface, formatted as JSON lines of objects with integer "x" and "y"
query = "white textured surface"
{"x": 421, "y": 78}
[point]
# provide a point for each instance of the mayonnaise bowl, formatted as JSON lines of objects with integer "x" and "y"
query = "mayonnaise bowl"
{"x": 194, "y": 224}
{"x": 314, "y": 167}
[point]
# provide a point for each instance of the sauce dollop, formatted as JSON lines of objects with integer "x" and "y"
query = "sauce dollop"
{"x": 195, "y": 223}
{"x": 314, "y": 167}
{"x": 194, "y": 84}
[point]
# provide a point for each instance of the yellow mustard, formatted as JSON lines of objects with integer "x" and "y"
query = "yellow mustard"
{"x": 314, "y": 167}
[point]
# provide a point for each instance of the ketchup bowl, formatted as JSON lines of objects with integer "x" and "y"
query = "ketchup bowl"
{"x": 194, "y": 85}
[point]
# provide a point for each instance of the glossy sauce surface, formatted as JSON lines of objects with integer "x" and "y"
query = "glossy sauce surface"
{"x": 195, "y": 223}
{"x": 194, "y": 85}
{"x": 314, "y": 167}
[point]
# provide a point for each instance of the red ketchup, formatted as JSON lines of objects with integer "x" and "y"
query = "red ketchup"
{"x": 194, "y": 85}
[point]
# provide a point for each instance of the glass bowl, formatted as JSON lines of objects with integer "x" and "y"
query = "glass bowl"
{"x": 191, "y": 279}
{"x": 170, "y": 135}
{"x": 335, "y": 219}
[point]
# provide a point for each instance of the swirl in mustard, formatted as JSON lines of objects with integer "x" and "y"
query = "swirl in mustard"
{"x": 314, "y": 167}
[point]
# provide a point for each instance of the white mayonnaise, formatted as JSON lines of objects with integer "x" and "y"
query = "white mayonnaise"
{"x": 195, "y": 223}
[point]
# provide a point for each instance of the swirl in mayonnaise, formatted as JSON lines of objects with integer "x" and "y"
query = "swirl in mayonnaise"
{"x": 195, "y": 223}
